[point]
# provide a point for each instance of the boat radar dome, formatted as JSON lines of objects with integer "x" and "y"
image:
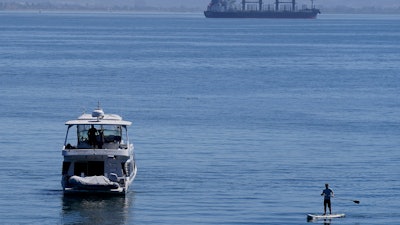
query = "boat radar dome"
{"x": 98, "y": 113}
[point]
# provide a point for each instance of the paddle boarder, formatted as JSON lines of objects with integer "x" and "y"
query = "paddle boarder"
{"x": 327, "y": 193}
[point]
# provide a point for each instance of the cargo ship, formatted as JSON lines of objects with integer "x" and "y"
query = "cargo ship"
{"x": 260, "y": 9}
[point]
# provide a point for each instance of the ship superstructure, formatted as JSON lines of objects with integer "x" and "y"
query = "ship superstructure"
{"x": 260, "y": 9}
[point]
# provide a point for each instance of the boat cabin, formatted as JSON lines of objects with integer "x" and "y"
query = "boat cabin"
{"x": 89, "y": 132}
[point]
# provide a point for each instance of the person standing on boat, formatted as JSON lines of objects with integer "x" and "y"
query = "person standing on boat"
{"x": 92, "y": 136}
{"x": 327, "y": 193}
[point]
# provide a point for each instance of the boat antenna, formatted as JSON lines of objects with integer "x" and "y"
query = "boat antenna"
{"x": 312, "y": 4}
{"x": 98, "y": 113}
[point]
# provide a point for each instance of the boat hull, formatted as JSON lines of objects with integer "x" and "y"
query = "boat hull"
{"x": 305, "y": 14}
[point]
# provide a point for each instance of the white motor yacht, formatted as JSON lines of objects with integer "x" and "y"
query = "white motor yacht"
{"x": 98, "y": 157}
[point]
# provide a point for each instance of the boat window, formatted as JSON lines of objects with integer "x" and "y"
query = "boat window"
{"x": 83, "y": 136}
{"x": 71, "y": 139}
{"x": 112, "y": 133}
{"x": 101, "y": 137}
{"x": 124, "y": 135}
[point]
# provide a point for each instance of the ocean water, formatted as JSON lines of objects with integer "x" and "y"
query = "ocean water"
{"x": 234, "y": 121}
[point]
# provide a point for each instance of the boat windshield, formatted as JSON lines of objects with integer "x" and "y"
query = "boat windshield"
{"x": 89, "y": 136}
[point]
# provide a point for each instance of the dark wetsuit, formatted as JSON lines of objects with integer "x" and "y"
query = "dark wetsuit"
{"x": 328, "y": 193}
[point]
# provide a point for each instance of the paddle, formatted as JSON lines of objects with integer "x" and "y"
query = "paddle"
{"x": 355, "y": 201}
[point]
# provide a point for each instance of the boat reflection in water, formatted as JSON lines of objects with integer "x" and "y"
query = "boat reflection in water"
{"x": 95, "y": 209}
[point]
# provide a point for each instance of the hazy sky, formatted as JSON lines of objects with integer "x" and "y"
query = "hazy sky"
{"x": 202, "y": 4}
{"x": 330, "y": 3}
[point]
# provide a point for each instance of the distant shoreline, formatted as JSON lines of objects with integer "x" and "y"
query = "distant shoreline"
{"x": 50, "y": 7}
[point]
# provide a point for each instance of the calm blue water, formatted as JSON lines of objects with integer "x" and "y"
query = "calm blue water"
{"x": 235, "y": 121}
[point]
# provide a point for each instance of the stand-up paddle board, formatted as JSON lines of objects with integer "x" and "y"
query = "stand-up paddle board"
{"x": 324, "y": 217}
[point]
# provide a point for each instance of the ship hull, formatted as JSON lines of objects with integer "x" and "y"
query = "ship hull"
{"x": 306, "y": 14}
